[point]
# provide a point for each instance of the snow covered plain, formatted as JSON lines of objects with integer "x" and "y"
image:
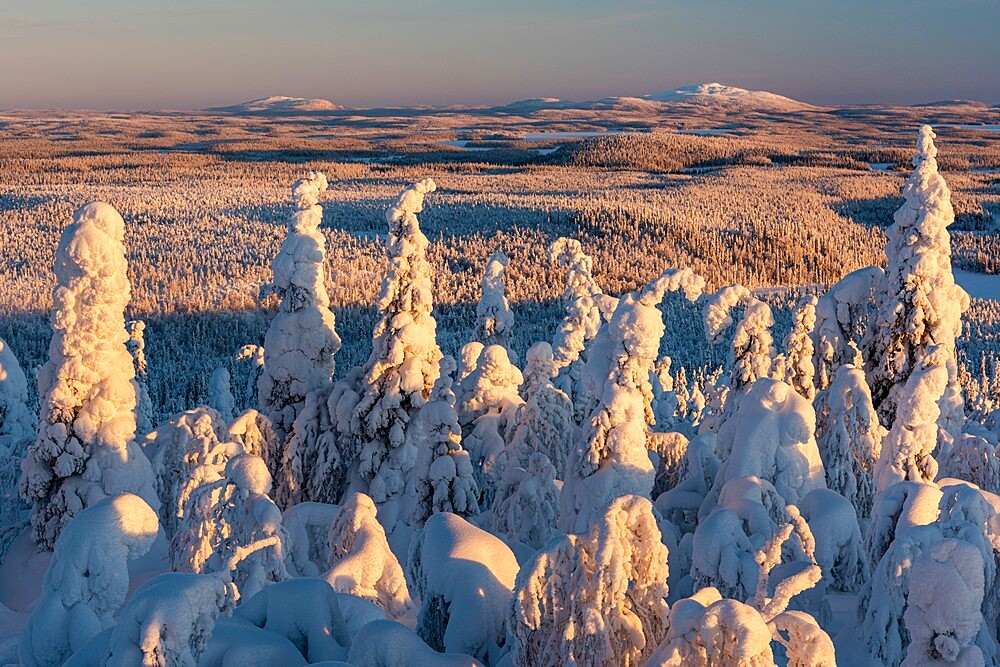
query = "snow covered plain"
{"x": 370, "y": 487}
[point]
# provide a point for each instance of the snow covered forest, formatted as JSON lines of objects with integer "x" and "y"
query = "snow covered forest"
{"x": 710, "y": 396}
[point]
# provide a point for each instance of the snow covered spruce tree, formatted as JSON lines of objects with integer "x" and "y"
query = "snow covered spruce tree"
{"x": 445, "y": 481}
{"x": 595, "y": 598}
{"x": 751, "y": 356}
{"x": 85, "y": 449}
{"x": 220, "y": 393}
{"x": 17, "y": 422}
{"x": 544, "y": 422}
{"x": 361, "y": 562}
{"x": 143, "y": 405}
{"x": 494, "y": 320}
{"x": 583, "y": 300}
{"x": 842, "y": 317}
{"x": 851, "y": 438}
{"x": 87, "y": 579}
{"x": 611, "y": 460}
{"x": 403, "y": 365}
{"x": 796, "y": 362}
{"x": 302, "y": 340}
{"x": 920, "y": 305}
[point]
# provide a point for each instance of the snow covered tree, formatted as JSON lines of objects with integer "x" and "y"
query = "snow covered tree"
{"x": 487, "y": 406}
{"x": 87, "y": 579}
{"x": 583, "y": 301}
{"x": 136, "y": 345}
{"x": 464, "y": 577}
{"x": 942, "y": 614}
{"x": 527, "y": 504}
{"x": 85, "y": 450}
{"x": 752, "y": 353}
{"x": 907, "y": 451}
{"x": 169, "y": 620}
{"x": 361, "y": 562}
{"x": 445, "y": 480}
{"x": 231, "y": 525}
{"x": 973, "y": 459}
{"x": 220, "y": 394}
{"x": 896, "y": 509}
{"x": 544, "y": 422}
{"x": 254, "y": 433}
{"x": 920, "y": 306}
{"x": 302, "y": 340}
{"x": 189, "y": 450}
{"x": 842, "y": 314}
{"x": 494, "y": 320}
{"x": 17, "y": 422}
{"x": 839, "y": 548}
{"x": 851, "y": 437}
{"x": 611, "y": 460}
{"x": 404, "y": 360}
{"x": 797, "y": 359}
{"x": 594, "y": 598}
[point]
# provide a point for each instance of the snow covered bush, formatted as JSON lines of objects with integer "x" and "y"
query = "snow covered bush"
{"x": 231, "y": 525}
{"x": 85, "y": 450}
{"x": 303, "y": 611}
{"x": 494, "y": 320}
{"x": 87, "y": 579}
{"x": 839, "y": 549}
{"x": 919, "y": 306}
{"x": 595, "y": 598}
{"x": 464, "y": 577}
{"x": 610, "y": 459}
{"x": 169, "y": 621}
{"x": 361, "y": 562}
{"x": 444, "y": 472}
{"x": 849, "y": 437}
{"x": 302, "y": 340}
{"x": 404, "y": 360}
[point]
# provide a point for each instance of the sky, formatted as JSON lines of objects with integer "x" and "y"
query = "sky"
{"x": 190, "y": 54}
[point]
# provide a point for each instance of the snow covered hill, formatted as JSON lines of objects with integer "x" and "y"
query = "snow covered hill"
{"x": 719, "y": 94}
{"x": 278, "y": 104}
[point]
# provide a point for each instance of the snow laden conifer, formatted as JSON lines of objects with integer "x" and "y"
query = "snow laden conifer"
{"x": 302, "y": 340}
{"x": 220, "y": 394}
{"x": 87, "y": 579}
{"x": 494, "y": 319}
{"x": 796, "y": 363}
{"x": 445, "y": 481}
{"x": 752, "y": 353}
{"x": 403, "y": 365}
{"x": 143, "y": 405}
{"x": 583, "y": 300}
{"x": 544, "y": 422}
{"x": 361, "y": 562}
{"x": 920, "y": 306}
{"x": 610, "y": 459}
{"x": 849, "y": 437}
{"x": 597, "y": 597}
{"x": 17, "y": 422}
{"x": 842, "y": 314}
{"x": 85, "y": 450}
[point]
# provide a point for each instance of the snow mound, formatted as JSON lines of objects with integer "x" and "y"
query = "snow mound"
{"x": 721, "y": 95}
{"x": 280, "y": 104}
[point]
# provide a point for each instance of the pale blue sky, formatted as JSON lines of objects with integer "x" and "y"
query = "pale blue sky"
{"x": 145, "y": 54}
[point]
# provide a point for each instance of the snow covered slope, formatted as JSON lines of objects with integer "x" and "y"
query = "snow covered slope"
{"x": 277, "y": 104}
{"x": 719, "y": 94}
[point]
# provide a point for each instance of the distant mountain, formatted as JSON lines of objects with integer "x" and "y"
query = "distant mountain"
{"x": 956, "y": 103}
{"x": 279, "y": 104}
{"x": 731, "y": 96}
